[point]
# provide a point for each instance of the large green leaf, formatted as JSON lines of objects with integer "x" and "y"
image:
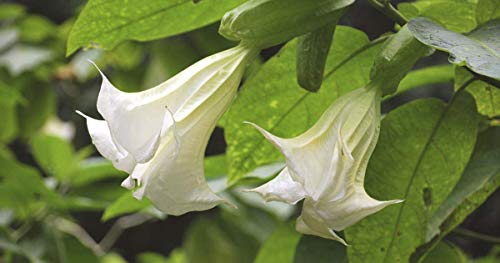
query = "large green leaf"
{"x": 217, "y": 240}
{"x": 423, "y": 149}
{"x": 95, "y": 169}
{"x": 55, "y": 156}
{"x": 106, "y": 23}
{"x": 425, "y": 76}
{"x": 22, "y": 188}
{"x": 319, "y": 250}
{"x": 280, "y": 246}
{"x": 126, "y": 204}
{"x": 446, "y": 252}
{"x": 487, "y": 96}
{"x": 445, "y": 12}
{"x": 487, "y": 10}
{"x": 480, "y": 180}
{"x": 274, "y": 100}
{"x": 479, "y": 50}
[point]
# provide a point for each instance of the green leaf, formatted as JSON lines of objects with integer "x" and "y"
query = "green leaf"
{"x": 483, "y": 169}
{"x": 280, "y": 246}
{"x": 422, "y": 151}
{"x": 445, "y": 12}
{"x": 479, "y": 50}
{"x": 176, "y": 256}
{"x": 126, "y": 204}
{"x": 8, "y": 125}
{"x": 95, "y": 169}
{"x": 22, "y": 188}
{"x": 487, "y": 10}
{"x": 396, "y": 58}
{"x": 35, "y": 29}
{"x": 487, "y": 96}
{"x": 215, "y": 166}
{"x": 55, "y": 156}
{"x": 312, "y": 52}
{"x": 11, "y": 11}
{"x": 425, "y": 76}
{"x": 40, "y": 105}
{"x": 279, "y": 105}
{"x": 446, "y": 252}
{"x": 319, "y": 250}
{"x": 479, "y": 181}
{"x": 168, "y": 57}
{"x": 216, "y": 240}
{"x": 106, "y": 23}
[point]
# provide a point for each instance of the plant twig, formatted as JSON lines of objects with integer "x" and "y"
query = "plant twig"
{"x": 469, "y": 233}
{"x": 389, "y": 10}
{"x": 121, "y": 225}
{"x": 79, "y": 233}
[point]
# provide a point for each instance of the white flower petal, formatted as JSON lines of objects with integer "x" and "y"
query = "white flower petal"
{"x": 347, "y": 211}
{"x": 310, "y": 223}
{"x": 281, "y": 188}
{"x": 103, "y": 141}
{"x": 329, "y": 162}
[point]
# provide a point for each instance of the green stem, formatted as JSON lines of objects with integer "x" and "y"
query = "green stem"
{"x": 389, "y": 10}
{"x": 468, "y": 233}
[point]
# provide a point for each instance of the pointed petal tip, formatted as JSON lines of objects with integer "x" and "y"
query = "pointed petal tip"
{"x": 266, "y": 197}
{"x": 95, "y": 65}
{"x": 228, "y": 203}
{"x": 81, "y": 114}
{"x": 128, "y": 183}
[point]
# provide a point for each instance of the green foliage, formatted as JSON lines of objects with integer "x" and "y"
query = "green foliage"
{"x": 312, "y": 52}
{"x": 55, "y": 156}
{"x": 104, "y": 23}
{"x": 486, "y": 95}
{"x": 445, "y": 252}
{"x": 218, "y": 240}
{"x": 280, "y": 246}
{"x": 478, "y": 50}
{"x": 426, "y": 76}
{"x": 398, "y": 55}
{"x": 487, "y": 10}
{"x": 480, "y": 179}
{"x": 124, "y": 205}
{"x": 440, "y": 158}
{"x": 419, "y": 162}
{"x": 444, "y": 12}
{"x": 265, "y": 23}
{"x": 280, "y": 106}
{"x": 319, "y": 250}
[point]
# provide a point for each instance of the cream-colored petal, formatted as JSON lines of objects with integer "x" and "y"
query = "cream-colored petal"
{"x": 103, "y": 141}
{"x": 348, "y": 210}
{"x": 282, "y": 188}
{"x": 183, "y": 94}
{"x": 311, "y": 223}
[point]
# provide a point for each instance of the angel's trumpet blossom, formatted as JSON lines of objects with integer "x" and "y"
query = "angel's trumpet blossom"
{"x": 159, "y": 135}
{"x": 326, "y": 166}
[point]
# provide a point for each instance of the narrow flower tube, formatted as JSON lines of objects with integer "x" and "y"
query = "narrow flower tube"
{"x": 326, "y": 166}
{"x": 159, "y": 135}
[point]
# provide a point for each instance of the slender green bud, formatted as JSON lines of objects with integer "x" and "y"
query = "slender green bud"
{"x": 397, "y": 57}
{"x": 266, "y": 23}
{"x": 312, "y": 52}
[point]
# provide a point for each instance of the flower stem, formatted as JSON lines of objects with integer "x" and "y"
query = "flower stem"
{"x": 468, "y": 233}
{"x": 389, "y": 10}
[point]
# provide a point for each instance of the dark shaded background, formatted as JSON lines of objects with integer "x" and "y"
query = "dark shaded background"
{"x": 163, "y": 236}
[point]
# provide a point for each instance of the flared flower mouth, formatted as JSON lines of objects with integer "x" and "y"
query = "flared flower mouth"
{"x": 159, "y": 135}
{"x": 326, "y": 166}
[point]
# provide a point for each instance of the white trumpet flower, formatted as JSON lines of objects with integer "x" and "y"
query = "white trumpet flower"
{"x": 159, "y": 135}
{"x": 326, "y": 166}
